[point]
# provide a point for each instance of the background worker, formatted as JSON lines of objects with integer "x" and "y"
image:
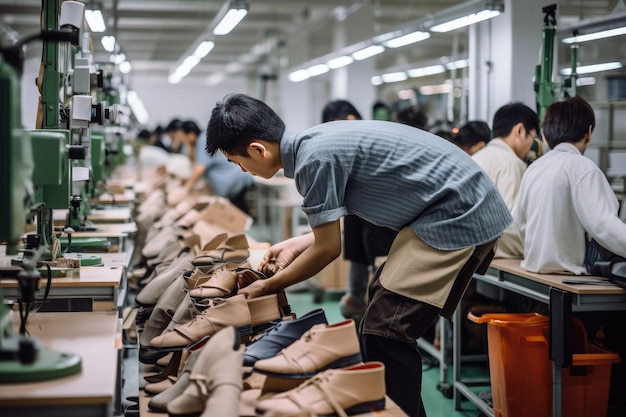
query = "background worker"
{"x": 223, "y": 178}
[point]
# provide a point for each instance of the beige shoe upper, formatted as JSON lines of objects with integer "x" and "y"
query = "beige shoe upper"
{"x": 222, "y": 282}
{"x": 235, "y": 249}
{"x": 355, "y": 390}
{"x": 218, "y": 364}
{"x": 263, "y": 309}
{"x": 321, "y": 347}
{"x": 222, "y": 312}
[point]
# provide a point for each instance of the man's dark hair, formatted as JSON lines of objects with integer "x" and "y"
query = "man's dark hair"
{"x": 238, "y": 120}
{"x": 413, "y": 117}
{"x": 144, "y": 135}
{"x": 444, "y": 133}
{"x": 191, "y": 127}
{"x": 511, "y": 114}
{"x": 568, "y": 121}
{"x": 472, "y": 133}
{"x": 339, "y": 110}
{"x": 174, "y": 126}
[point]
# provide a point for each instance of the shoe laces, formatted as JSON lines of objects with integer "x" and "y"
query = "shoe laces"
{"x": 210, "y": 302}
{"x": 272, "y": 327}
{"x": 318, "y": 381}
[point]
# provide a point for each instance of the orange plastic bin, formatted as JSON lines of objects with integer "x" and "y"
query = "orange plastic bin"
{"x": 521, "y": 371}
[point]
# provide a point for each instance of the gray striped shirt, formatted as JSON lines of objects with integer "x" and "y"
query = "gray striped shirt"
{"x": 394, "y": 175}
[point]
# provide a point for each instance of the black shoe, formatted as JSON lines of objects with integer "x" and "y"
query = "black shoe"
{"x": 281, "y": 335}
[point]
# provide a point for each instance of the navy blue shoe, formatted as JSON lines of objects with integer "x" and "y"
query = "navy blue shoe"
{"x": 281, "y": 335}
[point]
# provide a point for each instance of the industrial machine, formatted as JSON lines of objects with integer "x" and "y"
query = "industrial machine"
{"x": 546, "y": 89}
{"x": 21, "y": 357}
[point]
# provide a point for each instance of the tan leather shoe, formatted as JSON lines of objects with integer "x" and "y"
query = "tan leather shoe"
{"x": 221, "y": 312}
{"x": 226, "y": 280}
{"x": 159, "y": 387}
{"x": 150, "y": 294}
{"x": 339, "y": 392}
{"x": 159, "y": 401}
{"x": 235, "y": 250}
{"x": 321, "y": 347}
{"x": 215, "y": 382}
{"x": 263, "y": 309}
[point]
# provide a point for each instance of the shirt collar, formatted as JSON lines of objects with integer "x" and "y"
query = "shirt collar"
{"x": 288, "y": 153}
{"x": 566, "y": 147}
{"x": 499, "y": 143}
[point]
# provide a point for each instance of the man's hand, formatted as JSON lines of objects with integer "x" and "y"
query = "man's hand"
{"x": 282, "y": 254}
{"x": 256, "y": 289}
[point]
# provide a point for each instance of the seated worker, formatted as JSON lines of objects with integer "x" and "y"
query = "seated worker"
{"x": 447, "y": 211}
{"x": 224, "y": 179}
{"x": 472, "y": 136}
{"x": 567, "y": 213}
{"x": 363, "y": 241}
{"x": 515, "y": 127}
{"x": 564, "y": 198}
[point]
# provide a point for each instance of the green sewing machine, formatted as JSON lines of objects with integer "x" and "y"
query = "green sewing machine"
{"x": 21, "y": 358}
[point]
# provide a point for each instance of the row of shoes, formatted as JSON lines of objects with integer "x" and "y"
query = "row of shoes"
{"x": 202, "y": 343}
{"x": 318, "y": 373}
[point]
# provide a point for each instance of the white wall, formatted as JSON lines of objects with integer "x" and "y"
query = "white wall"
{"x": 191, "y": 99}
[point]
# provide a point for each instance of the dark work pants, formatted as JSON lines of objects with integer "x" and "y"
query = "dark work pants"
{"x": 393, "y": 323}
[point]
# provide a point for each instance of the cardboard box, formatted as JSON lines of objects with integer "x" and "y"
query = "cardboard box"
{"x": 221, "y": 216}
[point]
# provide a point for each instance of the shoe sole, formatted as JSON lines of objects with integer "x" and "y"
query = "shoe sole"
{"x": 362, "y": 408}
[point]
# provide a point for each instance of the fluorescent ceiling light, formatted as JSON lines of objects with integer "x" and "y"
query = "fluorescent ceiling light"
{"x": 108, "y": 43}
{"x": 407, "y": 39}
{"x": 95, "y": 20}
{"x": 117, "y": 58}
{"x": 191, "y": 61}
{"x": 237, "y": 10}
{"x": 429, "y": 90}
{"x": 587, "y": 69}
{"x": 318, "y": 69}
{"x": 215, "y": 79}
{"x": 583, "y": 81}
{"x": 596, "y": 35}
{"x": 423, "y": 72}
{"x": 137, "y": 107}
{"x": 465, "y": 21}
{"x": 406, "y": 94}
{"x": 339, "y": 62}
{"x": 393, "y": 77}
{"x": 174, "y": 78}
{"x": 234, "y": 66}
{"x": 125, "y": 67}
{"x": 461, "y": 63}
{"x": 376, "y": 80}
{"x": 299, "y": 75}
{"x": 368, "y": 52}
{"x": 203, "y": 49}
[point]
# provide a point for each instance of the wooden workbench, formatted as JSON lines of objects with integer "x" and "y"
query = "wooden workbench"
{"x": 96, "y": 338}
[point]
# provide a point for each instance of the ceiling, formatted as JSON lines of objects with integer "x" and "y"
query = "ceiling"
{"x": 155, "y": 34}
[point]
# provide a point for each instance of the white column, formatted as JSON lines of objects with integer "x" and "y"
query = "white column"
{"x": 503, "y": 53}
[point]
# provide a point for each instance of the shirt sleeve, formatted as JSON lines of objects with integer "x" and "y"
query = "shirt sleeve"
{"x": 322, "y": 185}
{"x": 596, "y": 207}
